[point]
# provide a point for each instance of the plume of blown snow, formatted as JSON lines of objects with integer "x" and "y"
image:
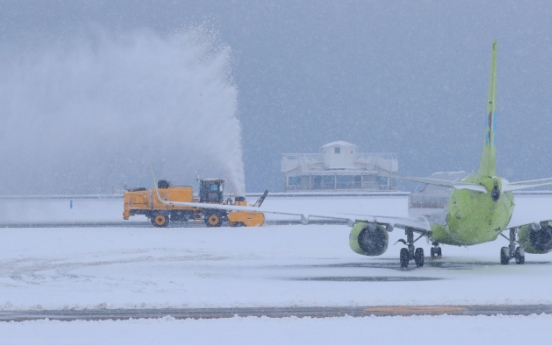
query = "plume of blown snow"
{"x": 91, "y": 115}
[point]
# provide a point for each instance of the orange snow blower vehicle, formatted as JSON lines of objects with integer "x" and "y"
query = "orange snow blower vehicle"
{"x": 146, "y": 202}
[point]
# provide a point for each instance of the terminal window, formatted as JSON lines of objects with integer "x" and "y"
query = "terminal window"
{"x": 295, "y": 180}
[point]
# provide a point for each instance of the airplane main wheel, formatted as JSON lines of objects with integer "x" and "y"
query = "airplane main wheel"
{"x": 520, "y": 256}
{"x": 433, "y": 252}
{"x": 438, "y": 252}
{"x": 405, "y": 257}
{"x": 419, "y": 257}
{"x": 504, "y": 255}
{"x": 160, "y": 220}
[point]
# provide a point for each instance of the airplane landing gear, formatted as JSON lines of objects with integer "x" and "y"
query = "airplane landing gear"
{"x": 419, "y": 257}
{"x": 435, "y": 251}
{"x": 520, "y": 255}
{"x": 405, "y": 257}
{"x": 411, "y": 253}
{"x": 511, "y": 252}
{"x": 504, "y": 256}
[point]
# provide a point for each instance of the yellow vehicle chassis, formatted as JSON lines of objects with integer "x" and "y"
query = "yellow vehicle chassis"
{"x": 146, "y": 202}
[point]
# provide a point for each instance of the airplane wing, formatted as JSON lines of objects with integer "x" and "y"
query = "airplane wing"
{"x": 443, "y": 183}
{"x": 510, "y": 186}
{"x": 419, "y": 225}
{"x": 516, "y": 223}
{"x": 532, "y": 212}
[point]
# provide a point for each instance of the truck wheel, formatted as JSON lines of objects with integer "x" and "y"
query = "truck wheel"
{"x": 213, "y": 220}
{"x": 160, "y": 220}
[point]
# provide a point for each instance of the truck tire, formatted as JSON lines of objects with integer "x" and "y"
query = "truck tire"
{"x": 160, "y": 220}
{"x": 213, "y": 220}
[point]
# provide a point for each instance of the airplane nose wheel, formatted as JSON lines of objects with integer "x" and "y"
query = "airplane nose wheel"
{"x": 435, "y": 251}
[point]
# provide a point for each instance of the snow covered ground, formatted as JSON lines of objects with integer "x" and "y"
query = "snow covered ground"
{"x": 251, "y": 330}
{"x": 270, "y": 266}
{"x": 120, "y": 267}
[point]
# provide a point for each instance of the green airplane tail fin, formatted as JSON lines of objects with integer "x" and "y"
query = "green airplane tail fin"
{"x": 487, "y": 165}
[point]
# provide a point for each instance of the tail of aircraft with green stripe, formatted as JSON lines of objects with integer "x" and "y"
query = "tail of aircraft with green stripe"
{"x": 487, "y": 165}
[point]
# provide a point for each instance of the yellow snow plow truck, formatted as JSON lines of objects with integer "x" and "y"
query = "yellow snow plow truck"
{"x": 146, "y": 202}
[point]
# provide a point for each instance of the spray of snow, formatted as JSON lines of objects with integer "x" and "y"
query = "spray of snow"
{"x": 92, "y": 115}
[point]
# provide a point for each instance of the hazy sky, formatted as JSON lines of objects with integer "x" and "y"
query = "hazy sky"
{"x": 408, "y": 77}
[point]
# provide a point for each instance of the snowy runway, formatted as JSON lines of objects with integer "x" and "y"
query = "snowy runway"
{"x": 273, "y": 266}
{"x": 280, "y": 266}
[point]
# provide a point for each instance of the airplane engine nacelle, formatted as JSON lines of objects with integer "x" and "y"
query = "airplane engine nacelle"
{"x": 369, "y": 238}
{"x": 536, "y": 238}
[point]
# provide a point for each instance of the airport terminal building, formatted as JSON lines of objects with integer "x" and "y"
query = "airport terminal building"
{"x": 339, "y": 167}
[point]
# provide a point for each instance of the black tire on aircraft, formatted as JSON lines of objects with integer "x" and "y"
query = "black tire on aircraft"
{"x": 438, "y": 252}
{"x": 432, "y": 252}
{"x": 419, "y": 257}
{"x": 405, "y": 257}
{"x": 504, "y": 255}
{"x": 520, "y": 256}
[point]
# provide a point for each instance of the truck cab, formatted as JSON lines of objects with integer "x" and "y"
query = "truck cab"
{"x": 211, "y": 190}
